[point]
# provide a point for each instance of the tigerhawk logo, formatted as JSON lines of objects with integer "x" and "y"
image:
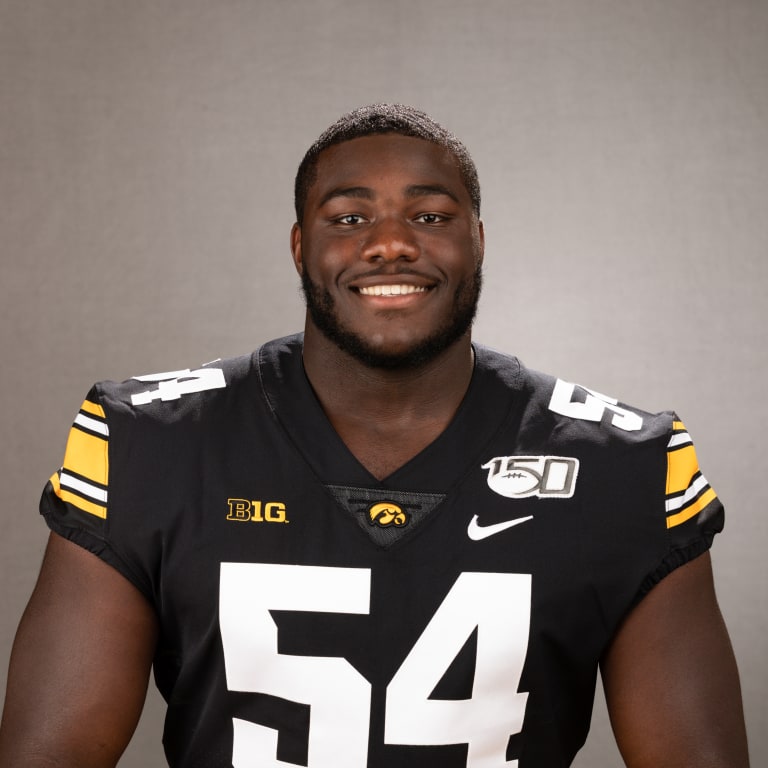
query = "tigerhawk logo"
{"x": 385, "y": 514}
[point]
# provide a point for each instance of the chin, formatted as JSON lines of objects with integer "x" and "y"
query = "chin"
{"x": 397, "y": 356}
{"x": 394, "y": 354}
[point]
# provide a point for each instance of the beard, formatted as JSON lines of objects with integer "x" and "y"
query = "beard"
{"x": 322, "y": 311}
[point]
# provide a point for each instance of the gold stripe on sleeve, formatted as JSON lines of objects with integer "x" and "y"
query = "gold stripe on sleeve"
{"x": 87, "y": 455}
{"x": 81, "y": 503}
{"x": 93, "y": 408}
{"x": 77, "y": 501}
{"x": 682, "y": 465}
{"x": 693, "y": 509}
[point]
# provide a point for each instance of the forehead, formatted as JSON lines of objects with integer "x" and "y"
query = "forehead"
{"x": 387, "y": 159}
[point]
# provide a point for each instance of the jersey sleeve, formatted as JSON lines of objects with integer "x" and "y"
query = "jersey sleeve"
{"x": 75, "y": 500}
{"x": 693, "y": 512}
{"x": 689, "y": 497}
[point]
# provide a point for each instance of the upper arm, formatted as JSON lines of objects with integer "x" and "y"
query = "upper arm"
{"x": 671, "y": 681}
{"x": 80, "y": 664}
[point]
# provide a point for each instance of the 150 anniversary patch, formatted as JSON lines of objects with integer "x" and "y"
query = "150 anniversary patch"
{"x": 519, "y": 477}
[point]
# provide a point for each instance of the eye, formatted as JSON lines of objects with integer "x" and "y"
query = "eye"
{"x": 430, "y": 218}
{"x": 349, "y": 219}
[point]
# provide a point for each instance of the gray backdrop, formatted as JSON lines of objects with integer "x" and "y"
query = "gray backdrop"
{"x": 146, "y": 162}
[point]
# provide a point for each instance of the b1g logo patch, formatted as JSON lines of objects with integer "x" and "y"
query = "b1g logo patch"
{"x": 519, "y": 477}
{"x": 385, "y": 514}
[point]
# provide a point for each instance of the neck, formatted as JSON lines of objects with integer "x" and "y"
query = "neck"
{"x": 403, "y": 409}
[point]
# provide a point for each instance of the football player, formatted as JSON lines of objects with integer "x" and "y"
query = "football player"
{"x": 376, "y": 543}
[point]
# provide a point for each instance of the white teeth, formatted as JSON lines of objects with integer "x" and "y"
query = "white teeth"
{"x": 391, "y": 290}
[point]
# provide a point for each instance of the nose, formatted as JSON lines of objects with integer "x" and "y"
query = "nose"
{"x": 390, "y": 239}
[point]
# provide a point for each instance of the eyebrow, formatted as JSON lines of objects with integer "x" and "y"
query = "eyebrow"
{"x": 361, "y": 193}
{"x": 365, "y": 193}
{"x": 427, "y": 190}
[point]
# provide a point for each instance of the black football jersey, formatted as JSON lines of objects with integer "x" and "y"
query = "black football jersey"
{"x": 451, "y": 615}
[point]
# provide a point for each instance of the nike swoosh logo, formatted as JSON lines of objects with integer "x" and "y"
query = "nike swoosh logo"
{"x": 478, "y": 532}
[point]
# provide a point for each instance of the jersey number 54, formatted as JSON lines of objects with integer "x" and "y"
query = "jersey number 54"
{"x": 497, "y": 605}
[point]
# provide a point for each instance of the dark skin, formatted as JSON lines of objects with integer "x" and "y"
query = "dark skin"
{"x": 671, "y": 680}
{"x": 670, "y": 676}
{"x": 388, "y": 211}
{"x": 68, "y": 703}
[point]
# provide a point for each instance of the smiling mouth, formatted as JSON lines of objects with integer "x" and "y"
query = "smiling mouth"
{"x": 391, "y": 290}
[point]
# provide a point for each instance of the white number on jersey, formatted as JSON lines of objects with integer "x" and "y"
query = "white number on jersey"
{"x": 339, "y": 695}
{"x": 592, "y": 407}
{"x": 497, "y": 605}
{"x": 174, "y": 384}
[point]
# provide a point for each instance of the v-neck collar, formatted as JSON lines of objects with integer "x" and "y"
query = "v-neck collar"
{"x": 486, "y": 407}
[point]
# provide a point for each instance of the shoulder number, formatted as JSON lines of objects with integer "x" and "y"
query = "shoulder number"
{"x": 590, "y": 406}
{"x": 172, "y": 385}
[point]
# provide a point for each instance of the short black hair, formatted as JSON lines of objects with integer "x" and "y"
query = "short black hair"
{"x": 384, "y": 118}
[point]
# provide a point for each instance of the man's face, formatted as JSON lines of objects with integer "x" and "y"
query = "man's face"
{"x": 390, "y": 250}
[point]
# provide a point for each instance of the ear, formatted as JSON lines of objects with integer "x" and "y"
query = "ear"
{"x": 481, "y": 240}
{"x": 296, "y": 248}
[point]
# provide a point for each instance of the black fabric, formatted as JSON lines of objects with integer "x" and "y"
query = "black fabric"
{"x": 283, "y": 592}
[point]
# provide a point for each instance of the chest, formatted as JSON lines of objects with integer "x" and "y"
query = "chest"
{"x": 383, "y": 447}
{"x": 439, "y": 627}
